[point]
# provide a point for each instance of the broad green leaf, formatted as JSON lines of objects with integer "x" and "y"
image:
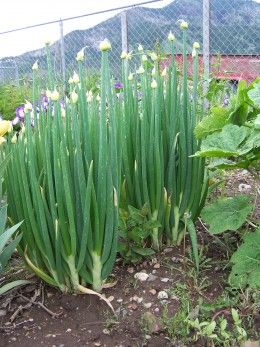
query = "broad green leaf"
{"x": 227, "y": 213}
{"x": 254, "y": 94}
{"x": 217, "y": 119}
{"x": 224, "y": 143}
{"x": 246, "y": 262}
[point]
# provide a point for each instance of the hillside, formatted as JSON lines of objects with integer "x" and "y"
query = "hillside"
{"x": 235, "y": 29}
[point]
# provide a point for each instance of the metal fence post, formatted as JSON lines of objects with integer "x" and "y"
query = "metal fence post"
{"x": 62, "y": 52}
{"x": 206, "y": 44}
{"x": 124, "y": 34}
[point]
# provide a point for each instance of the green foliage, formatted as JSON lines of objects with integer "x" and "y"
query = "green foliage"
{"x": 134, "y": 231}
{"x": 216, "y": 120}
{"x": 9, "y": 239}
{"x": 254, "y": 94}
{"x": 11, "y": 97}
{"x": 227, "y": 213}
{"x": 62, "y": 179}
{"x": 246, "y": 262}
{"x": 232, "y": 134}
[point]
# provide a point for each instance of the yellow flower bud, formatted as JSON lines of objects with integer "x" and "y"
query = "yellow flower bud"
{"x": 35, "y": 66}
{"x": 48, "y": 93}
{"x": 14, "y": 139}
{"x": 196, "y": 45}
{"x": 154, "y": 56}
{"x": 75, "y": 78}
{"x": 140, "y": 70}
{"x": 105, "y": 45}
{"x": 171, "y": 37}
{"x": 80, "y": 55}
{"x": 74, "y": 97}
{"x": 184, "y": 25}
{"x": 55, "y": 95}
{"x": 164, "y": 72}
{"x": 194, "y": 53}
{"x": 154, "y": 84}
{"x": 123, "y": 55}
{"x": 27, "y": 106}
{"x": 130, "y": 77}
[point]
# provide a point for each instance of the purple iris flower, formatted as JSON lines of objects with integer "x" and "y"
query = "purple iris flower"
{"x": 16, "y": 120}
{"x": 19, "y": 112}
{"x": 118, "y": 85}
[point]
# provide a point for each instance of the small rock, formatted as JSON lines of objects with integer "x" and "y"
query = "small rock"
{"x": 152, "y": 277}
{"x": 136, "y": 299}
{"x": 106, "y": 331}
{"x": 132, "y": 306}
{"x": 97, "y": 344}
{"x": 111, "y": 298}
{"x": 152, "y": 291}
{"x": 2, "y": 313}
{"x": 141, "y": 276}
{"x": 130, "y": 270}
{"x": 147, "y": 305}
{"x": 243, "y": 187}
{"x": 119, "y": 301}
{"x": 162, "y": 295}
{"x": 147, "y": 337}
{"x": 165, "y": 279}
{"x": 68, "y": 330}
{"x": 156, "y": 309}
{"x": 157, "y": 266}
{"x": 167, "y": 250}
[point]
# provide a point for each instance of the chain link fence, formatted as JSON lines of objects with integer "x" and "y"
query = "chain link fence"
{"x": 231, "y": 38}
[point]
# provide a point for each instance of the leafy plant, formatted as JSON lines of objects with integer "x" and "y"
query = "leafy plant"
{"x": 227, "y": 213}
{"x": 62, "y": 179}
{"x": 246, "y": 262}
{"x": 11, "y": 97}
{"x": 134, "y": 231}
{"x": 8, "y": 244}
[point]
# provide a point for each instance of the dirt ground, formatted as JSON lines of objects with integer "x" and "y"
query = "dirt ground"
{"x": 37, "y": 315}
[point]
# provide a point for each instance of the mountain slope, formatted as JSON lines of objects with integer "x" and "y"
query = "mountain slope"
{"x": 235, "y": 29}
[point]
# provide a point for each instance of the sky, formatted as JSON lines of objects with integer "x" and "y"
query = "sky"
{"x": 21, "y": 13}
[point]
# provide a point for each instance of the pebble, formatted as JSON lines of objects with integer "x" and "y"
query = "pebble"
{"x": 162, "y": 295}
{"x": 156, "y": 309}
{"x": 244, "y": 187}
{"x": 152, "y": 277}
{"x": 130, "y": 270}
{"x": 157, "y": 266}
{"x": 119, "y": 301}
{"x": 147, "y": 305}
{"x": 152, "y": 291}
{"x": 136, "y": 299}
{"x": 68, "y": 330}
{"x": 111, "y": 298}
{"x": 106, "y": 331}
{"x": 147, "y": 337}
{"x": 141, "y": 276}
{"x": 165, "y": 279}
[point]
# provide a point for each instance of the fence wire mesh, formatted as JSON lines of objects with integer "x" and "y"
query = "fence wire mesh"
{"x": 234, "y": 28}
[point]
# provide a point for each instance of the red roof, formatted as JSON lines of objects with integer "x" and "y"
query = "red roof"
{"x": 229, "y": 67}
